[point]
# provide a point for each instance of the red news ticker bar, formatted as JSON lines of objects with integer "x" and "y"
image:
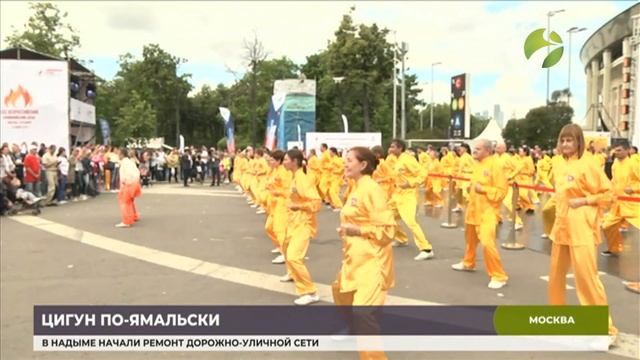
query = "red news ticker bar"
{"x": 534, "y": 187}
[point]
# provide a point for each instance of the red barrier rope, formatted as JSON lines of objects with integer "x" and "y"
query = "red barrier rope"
{"x": 533, "y": 187}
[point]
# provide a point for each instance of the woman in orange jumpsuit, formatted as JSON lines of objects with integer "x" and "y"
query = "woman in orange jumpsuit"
{"x": 366, "y": 228}
{"x": 582, "y": 192}
{"x": 129, "y": 188}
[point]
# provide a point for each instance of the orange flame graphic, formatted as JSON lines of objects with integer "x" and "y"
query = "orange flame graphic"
{"x": 10, "y": 100}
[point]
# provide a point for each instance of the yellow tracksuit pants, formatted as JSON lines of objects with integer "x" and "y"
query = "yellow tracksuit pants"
{"x": 485, "y": 234}
{"x": 589, "y": 288}
{"x": 276, "y": 226}
{"x": 507, "y": 202}
{"x": 549, "y": 214}
{"x": 611, "y": 226}
{"x": 403, "y": 204}
{"x": 295, "y": 248}
{"x": 334, "y": 192}
{"x": 368, "y": 296}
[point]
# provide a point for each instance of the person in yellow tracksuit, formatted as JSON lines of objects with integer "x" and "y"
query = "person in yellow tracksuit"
{"x": 424, "y": 159}
{"x": 383, "y": 175}
{"x": 262, "y": 173}
{"x": 278, "y": 187}
{"x": 367, "y": 229}
{"x": 259, "y": 171}
{"x": 247, "y": 173}
{"x": 488, "y": 189}
{"x": 510, "y": 167}
{"x": 433, "y": 187}
{"x": 336, "y": 179}
{"x": 303, "y": 204}
{"x": 626, "y": 182}
{"x": 324, "y": 183}
{"x": 543, "y": 169}
{"x": 238, "y": 168}
{"x": 633, "y": 153}
{"x": 314, "y": 167}
{"x": 524, "y": 177}
{"x": 464, "y": 170}
{"x": 350, "y": 186}
{"x": 408, "y": 176}
{"x": 582, "y": 191}
{"x": 447, "y": 161}
{"x": 549, "y": 208}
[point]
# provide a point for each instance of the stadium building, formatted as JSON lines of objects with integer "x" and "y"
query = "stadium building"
{"x": 611, "y": 62}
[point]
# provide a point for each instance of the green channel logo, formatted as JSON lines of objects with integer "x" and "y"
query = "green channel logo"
{"x": 536, "y": 41}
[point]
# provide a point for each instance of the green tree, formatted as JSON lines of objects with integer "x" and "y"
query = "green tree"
{"x": 441, "y": 122}
{"x": 540, "y": 126}
{"x": 154, "y": 78}
{"x": 354, "y": 76}
{"x": 239, "y": 98}
{"x": 478, "y": 124}
{"x": 46, "y": 31}
{"x": 135, "y": 120}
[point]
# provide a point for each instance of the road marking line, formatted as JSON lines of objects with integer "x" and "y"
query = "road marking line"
{"x": 546, "y": 278}
{"x": 628, "y": 343}
{"x": 569, "y": 276}
{"x": 198, "y": 192}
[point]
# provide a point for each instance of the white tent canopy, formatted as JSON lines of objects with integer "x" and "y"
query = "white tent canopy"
{"x": 492, "y": 133}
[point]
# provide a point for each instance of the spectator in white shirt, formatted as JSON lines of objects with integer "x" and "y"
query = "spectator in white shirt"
{"x": 63, "y": 170}
{"x": 161, "y": 161}
{"x": 8, "y": 168}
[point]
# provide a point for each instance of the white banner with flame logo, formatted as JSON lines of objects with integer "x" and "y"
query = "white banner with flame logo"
{"x": 34, "y": 103}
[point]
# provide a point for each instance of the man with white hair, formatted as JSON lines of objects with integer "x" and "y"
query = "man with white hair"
{"x": 487, "y": 189}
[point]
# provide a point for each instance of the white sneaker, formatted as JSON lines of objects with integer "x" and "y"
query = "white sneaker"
{"x": 456, "y": 210}
{"x": 428, "y": 204}
{"x": 424, "y": 255}
{"x": 544, "y": 236}
{"x": 278, "y": 260}
{"x": 497, "y": 284}
{"x": 438, "y": 206}
{"x": 307, "y": 299}
{"x": 337, "y": 210}
{"x": 84, "y": 197}
{"x": 460, "y": 267}
{"x": 254, "y": 206}
{"x": 62, "y": 202}
{"x": 122, "y": 225}
{"x": 285, "y": 278}
{"x": 398, "y": 244}
{"x": 536, "y": 202}
{"x": 275, "y": 251}
{"x": 261, "y": 211}
{"x": 519, "y": 226}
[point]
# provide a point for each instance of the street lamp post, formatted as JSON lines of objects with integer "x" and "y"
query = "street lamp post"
{"x": 403, "y": 119}
{"x": 431, "y": 115}
{"x": 573, "y": 30}
{"x": 337, "y": 80}
{"x": 395, "y": 86}
{"x": 549, "y": 15}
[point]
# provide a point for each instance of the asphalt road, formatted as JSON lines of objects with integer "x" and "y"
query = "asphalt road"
{"x": 42, "y": 265}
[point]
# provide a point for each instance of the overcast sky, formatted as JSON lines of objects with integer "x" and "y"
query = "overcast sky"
{"x": 484, "y": 39}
